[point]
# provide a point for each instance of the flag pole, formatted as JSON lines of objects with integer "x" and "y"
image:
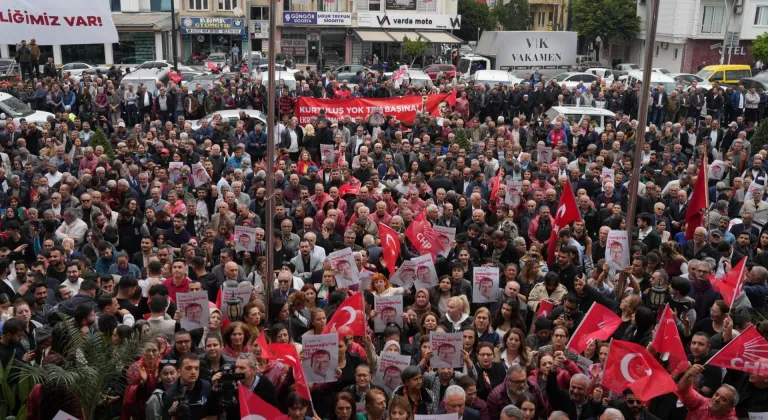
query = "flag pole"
{"x": 705, "y": 174}
{"x": 653, "y": 20}
{"x": 725, "y": 346}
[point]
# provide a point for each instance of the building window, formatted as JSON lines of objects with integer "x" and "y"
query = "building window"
{"x": 676, "y": 50}
{"x": 368, "y": 5}
{"x": 160, "y": 5}
{"x": 551, "y": 18}
{"x": 712, "y": 20}
{"x": 85, "y": 53}
{"x": 198, "y": 5}
{"x": 134, "y": 47}
{"x": 259, "y": 13}
{"x": 427, "y": 6}
{"x": 541, "y": 18}
{"x": 657, "y": 50}
{"x": 330, "y": 6}
{"x": 227, "y": 4}
{"x": 761, "y": 16}
{"x": 114, "y": 5}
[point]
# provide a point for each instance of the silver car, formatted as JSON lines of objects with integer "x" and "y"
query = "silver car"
{"x": 233, "y": 115}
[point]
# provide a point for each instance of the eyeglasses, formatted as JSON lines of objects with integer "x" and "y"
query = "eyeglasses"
{"x": 560, "y": 336}
{"x": 633, "y": 402}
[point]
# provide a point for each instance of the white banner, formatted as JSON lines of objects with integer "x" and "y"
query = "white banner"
{"x": 320, "y": 357}
{"x": 57, "y": 22}
{"x": 446, "y": 350}
{"x": 194, "y": 309}
{"x": 485, "y": 281}
{"x": 344, "y": 267}
{"x": 446, "y": 236}
{"x": 389, "y": 309}
{"x": 617, "y": 250}
{"x": 408, "y": 20}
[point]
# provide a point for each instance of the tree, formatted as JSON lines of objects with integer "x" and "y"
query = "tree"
{"x": 759, "y": 48}
{"x": 460, "y": 138}
{"x": 414, "y": 48}
{"x": 513, "y": 15}
{"x": 606, "y": 19}
{"x": 474, "y": 16}
{"x": 100, "y": 139}
{"x": 760, "y": 138}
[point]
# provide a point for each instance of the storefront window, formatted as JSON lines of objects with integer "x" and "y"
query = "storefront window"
{"x": 45, "y": 52}
{"x": 85, "y": 53}
{"x": 134, "y": 47}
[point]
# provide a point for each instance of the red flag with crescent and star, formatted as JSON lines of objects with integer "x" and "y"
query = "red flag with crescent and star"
{"x": 545, "y": 308}
{"x": 252, "y": 407}
{"x": 599, "y": 323}
{"x": 567, "y": 212}
{"x": 667, "y": 343}
{"x": 348, "y": 318}
{"x": 697, "y": 202}
{"x": 422, "y": 236}
{"x": 630, "y": 365}
{"x": 748, "y": 353}
{"x": 390, "y": 246}
{"x": 289, "y": 356}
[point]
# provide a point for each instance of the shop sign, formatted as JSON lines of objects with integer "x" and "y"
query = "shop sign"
{"x": 401, "y": 4}
{"x": 294, "y": 47}
{"x": 208, "y": 26}
{"x": 260, "y": 29}
{"x": 408, "y": 20}
{"x": 317, "y": 18}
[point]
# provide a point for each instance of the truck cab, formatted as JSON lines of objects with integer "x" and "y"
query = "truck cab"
{"x": 471, "y": 63}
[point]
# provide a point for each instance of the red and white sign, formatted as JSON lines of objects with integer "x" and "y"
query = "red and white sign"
{"x": 423, "y": 236}
{"x": 57, "y": 22}
{"x": 403, "y": 108}
{"x": 599, "y": 323}
{"x": 629, "y": 365}
{"x": 746, "y": 353}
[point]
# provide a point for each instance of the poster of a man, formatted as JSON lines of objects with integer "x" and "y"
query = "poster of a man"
{"x": 485, "y": 282}
{"x": 446, "y": 353}
{"x": 486, "y": 287}
{"x": 446, "y": 236}
{"x": 199, "y": 174}
{"x": 245, "y": 238}
{"x": 617, "y": 253}
{"x": 319, "y": 363}
{"x": 717, "y": 169}
{"x": 446, "y": 350}
{"x": 344, "y": 267}
{"x": 387, "y": 310}
{"x": 194, "y": 309}
{"x": 544, "y": 154}
{"x": 392, "y": 378}
{"x": 194, "y": 313}
{"x": 326, "y": 150}
{"x": 320, "y": 357}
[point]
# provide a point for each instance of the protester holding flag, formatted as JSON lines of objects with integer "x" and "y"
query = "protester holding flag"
{"x": 721, "y": 406}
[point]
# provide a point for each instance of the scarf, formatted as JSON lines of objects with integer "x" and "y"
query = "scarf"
{"x": 701, "y": 288}
{"x": 421, "y": 311}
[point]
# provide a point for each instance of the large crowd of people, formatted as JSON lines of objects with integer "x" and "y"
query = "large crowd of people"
{"x": 99, "y": 236}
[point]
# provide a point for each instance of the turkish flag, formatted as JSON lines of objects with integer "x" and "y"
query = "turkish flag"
{"x": 212, "y": 66}
{"x": 261, "y": 342}
{"x": 731, "y": 284}
{"x": 698, "y": 201}
{"x": 422, "y": 236}
{"x": 545, "y": 308}
{"x": 748, "y": 353}
{"x": 252, "y": 407}
{"x": 495, "y": 189}
{"x": 567, "y": 212}
{"x": 349, "y": 189}
{"x": 390, "y": 246}
{"x": 348, "y": 318}
{"x": 289, "y": 357}
{"x": 599, "y": 323}
{"x": 629, "y": 365}
{"x": 667, "y": 343}
{"x": 175, "y": 77}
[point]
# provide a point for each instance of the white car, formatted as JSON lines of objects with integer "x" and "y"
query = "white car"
{"x": 414, "y": 78}
{"x": 572, "y": 79}
{"x": 661, "y": 70}
{"x": 233, "y": 115}
{"x": 604, "y": 73}
{"x": 218, "y": 58}
{"x": 598, "y": 117}
{"x": 495, "y": 77}
{"x": 11, "y": 106}
{"x": 164, "y": 64}
{"x": 686, "y": 79}
{"x": 76, "y": 69}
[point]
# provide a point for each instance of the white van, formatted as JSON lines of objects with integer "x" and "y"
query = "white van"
{"x": 287, "y": 77}
{"x": 11, "y": 106}
{"x": 494, "y": 77}
{"x": 669, "y": 83}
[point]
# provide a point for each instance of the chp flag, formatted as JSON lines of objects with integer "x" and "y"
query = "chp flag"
{"x": 731, "y": 284}
{"x": 630, "y": 365}
{"x": 698, "y": 201}
{"x": 423, "y": 236}
{"x": 748, "y": 353}
{"x": 567, "y": 212}
{"x": 599, "y": 323}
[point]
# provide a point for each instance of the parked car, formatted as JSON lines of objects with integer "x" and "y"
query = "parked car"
{"x": 449, "y": 70}
{"x": 686, "y": 79}
{"x": 598, "y": 117}
{"x": 218, "y": 59}
{"x": 604, "y": 73}
{"x": 75, "y": 69}
{"x": 621, "y": 70}
{"x": 495, "y": 77}
{"x": 415, "y": 78}
{"x": 163, "y": 64}
{"x": 348, "y": 71}
{"x": 758, "y": 81}
{"x": 572, "y": 79}
{"x": 233, "y": 115}
{"x": 661, "y": 70}
{"x": 11, "y": 106}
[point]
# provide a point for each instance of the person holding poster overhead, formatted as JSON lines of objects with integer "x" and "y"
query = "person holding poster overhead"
{"x": 381, "y": 287}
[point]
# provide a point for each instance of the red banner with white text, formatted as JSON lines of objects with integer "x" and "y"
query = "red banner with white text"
{"x": 404, "y": 108}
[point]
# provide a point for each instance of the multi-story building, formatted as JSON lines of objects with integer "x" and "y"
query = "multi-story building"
{"x": 549, "y": 15}
{"x": 691, "y": 33}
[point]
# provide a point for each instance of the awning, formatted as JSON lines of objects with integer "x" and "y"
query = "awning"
{"x": 440, "y": 37}
{"x": 374, "y": 36}
{"x": 155, "y": 21}
{"x": 412, "y": 35}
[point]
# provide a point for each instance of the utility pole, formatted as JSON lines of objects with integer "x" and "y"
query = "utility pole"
{"x": 173, "y": 35}
{"x": 650, "y": 41}
{"x": 268, "y": 279}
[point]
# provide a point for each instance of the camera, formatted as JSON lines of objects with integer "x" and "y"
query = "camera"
{"x": 228, "y": 386}
{"x": 182, "y": 408}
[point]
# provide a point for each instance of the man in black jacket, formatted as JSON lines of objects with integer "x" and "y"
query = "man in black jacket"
{"x": 574, "y": 401}
{"x": 255, "y": 383}
{"x": 202, "y": 398}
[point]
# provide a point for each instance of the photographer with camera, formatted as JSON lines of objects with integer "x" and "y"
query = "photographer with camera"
{"x": 190, "y": 398}
{"x": 246, "y": 371}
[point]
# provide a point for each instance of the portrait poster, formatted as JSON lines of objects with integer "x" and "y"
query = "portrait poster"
{"x": 388, "y": 370}
{"x": 365, "y": 279}
{"x": 245, "y": 238}
{"x": 512, "y": 196}
{"x": 485, "y": 281}
{"x": 243, "y": 296}
{"x": 424, "y": 271}
{"x": 606, "y": 175}
{"x": 717, "y": 169}
{"x": 194, "y": 310}
{"x": 344, "y": 267}
{"x": 753, "y": 186}
{"x": 389, "y": 309}
{"x": 544, "y": 154}
{"x": 404, "y": 276}
{"x": 199, "y": 175}
{"x": 328, "y": 152}
{"x": 174, "y": 171}
{"x": 320, "y": 358}
{"x": 446, "y": 236}
{"x": 446, "y": 350}
{"x": 617, "y": 250}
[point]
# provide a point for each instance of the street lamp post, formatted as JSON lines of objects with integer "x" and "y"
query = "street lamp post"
{"x": 270, "y": 159}
{"x": 173, "y": 35}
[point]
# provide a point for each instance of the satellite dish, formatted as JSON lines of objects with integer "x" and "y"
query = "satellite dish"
{"x": 238, "y": 11}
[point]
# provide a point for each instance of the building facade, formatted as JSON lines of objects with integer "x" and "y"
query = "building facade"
{"x": 692, "y": 33}
{"x": 549, "y": 15}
